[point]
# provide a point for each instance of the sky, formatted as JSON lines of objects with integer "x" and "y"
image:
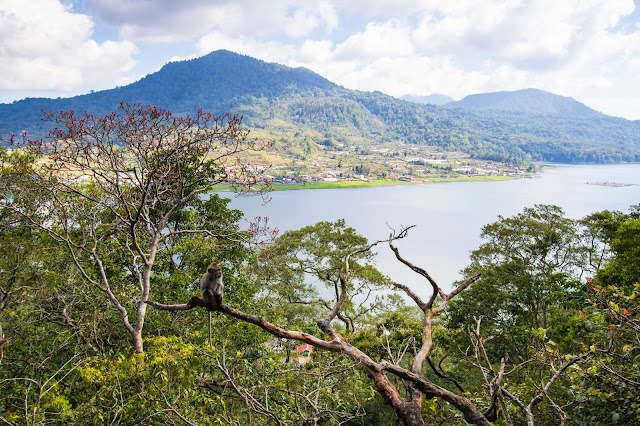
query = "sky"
{"x": 586, "y": 49}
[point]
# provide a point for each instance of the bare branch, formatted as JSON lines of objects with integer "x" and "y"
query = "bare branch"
{"x": 346, "y": 274}
{"x": 339, "y": 344}
{"x": 174, "y": 411}
{"x": 470, "y": 411}
{"x": 442, "y": 374}
{"x": 462, "y": 287}
{"x": 412, "y": 295}
{"x": 436, "y": 289}
{"x": 515, "y": 399}
{"x": 555, "y": 377}
{"x": 409, "y": 411}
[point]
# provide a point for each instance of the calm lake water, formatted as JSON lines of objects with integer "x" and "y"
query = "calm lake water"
{"x": 448, "y": 216}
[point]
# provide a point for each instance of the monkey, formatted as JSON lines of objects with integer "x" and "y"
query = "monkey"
{"x": 211, "y": 288}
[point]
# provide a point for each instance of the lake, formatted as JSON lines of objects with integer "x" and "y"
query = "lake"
{"x": 448, "y": 216}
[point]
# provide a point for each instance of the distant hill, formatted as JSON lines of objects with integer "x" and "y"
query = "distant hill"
{"x": 528, "y": 101}
{"x": 283, "y": 102}
{"x": 433, "y": 99}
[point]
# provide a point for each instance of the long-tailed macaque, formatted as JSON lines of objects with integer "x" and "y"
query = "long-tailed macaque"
{"x": 211, "y": 289}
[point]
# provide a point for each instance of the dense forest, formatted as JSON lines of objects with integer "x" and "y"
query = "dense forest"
{"x": 529, "y": 125}
{"x": 104, "y": 244}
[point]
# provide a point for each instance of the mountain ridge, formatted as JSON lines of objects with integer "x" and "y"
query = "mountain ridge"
{"x": 177, "y": 86}
{"x": 433, "y": 99}
{"x": 272, "y": 95}
{"x": 531, "y": 101}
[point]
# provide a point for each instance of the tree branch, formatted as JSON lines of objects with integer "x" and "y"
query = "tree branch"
{"x": 470, "y": 411}
{"x": 558, "y": 373}
{"x": 436, "y": 289}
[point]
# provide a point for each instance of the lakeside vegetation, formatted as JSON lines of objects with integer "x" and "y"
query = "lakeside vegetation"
{"x": 361, "y": 184}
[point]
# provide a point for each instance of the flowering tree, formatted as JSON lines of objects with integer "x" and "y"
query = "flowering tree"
{"x": 121, "y": 184}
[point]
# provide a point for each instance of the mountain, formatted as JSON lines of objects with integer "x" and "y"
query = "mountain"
{"x": 527, "y": 101}
{"x": 433, "y": 99}
{"x": 285, "y": 102}
{"x": 216, "y": 82}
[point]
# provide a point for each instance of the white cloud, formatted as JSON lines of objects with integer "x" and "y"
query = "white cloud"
{"x": 312, "y": 51}
{"x": 160, "y": 20}
{"x": 329, "y": 15}
{"x": 45, "y": 46}
{"x": 345, "y": 63}
{"x": 464, "y": 47}
{"x": 300, "y": 23}
{"x": 580, "y": 48}
{"x": 537, "y": 35}
{"x": 272, "y": 51}
{"x": 416, "y": 75}
{"x": 389, "y": 39}
{"x": 170, "y": 20}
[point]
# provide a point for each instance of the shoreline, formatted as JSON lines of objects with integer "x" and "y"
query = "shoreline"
{"x": 360, "y": 184}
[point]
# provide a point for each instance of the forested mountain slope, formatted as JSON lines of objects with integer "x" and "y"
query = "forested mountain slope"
{"x": 529, "y": 124}
{"x": 527, "y": 101}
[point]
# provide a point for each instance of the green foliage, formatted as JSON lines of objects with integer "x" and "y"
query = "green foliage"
{"x": 393, "y": 336}
{"x": 624, "y": 269}
{"x": 529, "y": 268}
{"x": 67, "y": 359}
{"x": 609, "y": 391}
{"x": 304, "y": 261}
{"x": 534, "y": 310}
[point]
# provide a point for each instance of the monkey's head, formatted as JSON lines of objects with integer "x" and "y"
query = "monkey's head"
{"x": 214, "y": 270}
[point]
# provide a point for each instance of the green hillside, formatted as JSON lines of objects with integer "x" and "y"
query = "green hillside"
{"x": 528, "y": 125}
{"x": 528, "y": 101}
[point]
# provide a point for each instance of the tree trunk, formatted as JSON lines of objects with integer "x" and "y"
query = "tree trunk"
{"x": 137, "y": 341}
{"x": 411, "y": 414}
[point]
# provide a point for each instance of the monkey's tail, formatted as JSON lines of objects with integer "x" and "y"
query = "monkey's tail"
{"x": 210, "y": 343}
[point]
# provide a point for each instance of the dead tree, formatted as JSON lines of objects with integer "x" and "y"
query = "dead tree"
{"x": 409, "y": 410}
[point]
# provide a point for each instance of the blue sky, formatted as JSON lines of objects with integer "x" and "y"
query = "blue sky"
{"x": 586, "y": 49}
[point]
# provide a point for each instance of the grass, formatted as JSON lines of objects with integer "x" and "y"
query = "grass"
{"x": 385, "y": 182}
{"x": 339, "y": 184}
